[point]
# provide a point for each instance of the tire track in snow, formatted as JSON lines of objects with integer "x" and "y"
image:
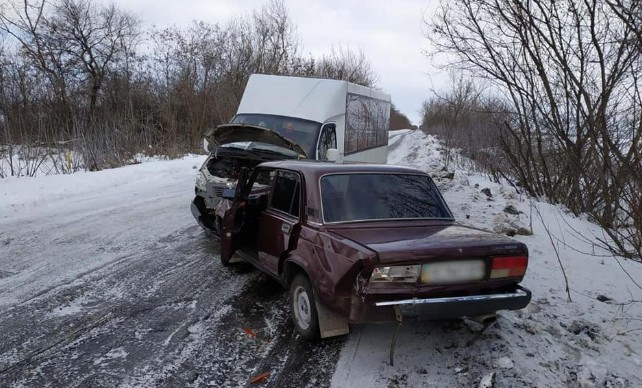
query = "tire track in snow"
{"x": 174, "y": 315}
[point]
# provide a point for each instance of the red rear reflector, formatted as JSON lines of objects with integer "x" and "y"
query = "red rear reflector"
{"x": 508, "y": 266}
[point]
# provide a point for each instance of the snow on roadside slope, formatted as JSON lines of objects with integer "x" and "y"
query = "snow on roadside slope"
{"x": 551, "y": 342}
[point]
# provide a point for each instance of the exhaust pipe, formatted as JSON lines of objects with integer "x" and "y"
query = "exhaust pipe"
{"x": 485, "y": 319}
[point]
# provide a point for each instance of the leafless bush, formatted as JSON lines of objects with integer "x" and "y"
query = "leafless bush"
{"x": 571, "y": 74}
{"x": 466, "y": 120}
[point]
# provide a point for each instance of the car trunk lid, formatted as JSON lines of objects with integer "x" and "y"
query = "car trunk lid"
{"x": 426, "y": 243}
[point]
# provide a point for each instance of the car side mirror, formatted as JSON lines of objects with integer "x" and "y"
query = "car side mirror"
{"x": 229, "y": 194}
{"x": 332, "y": 155}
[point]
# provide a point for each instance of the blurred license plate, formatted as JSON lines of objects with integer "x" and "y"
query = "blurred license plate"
{"x": 455, "y": 271}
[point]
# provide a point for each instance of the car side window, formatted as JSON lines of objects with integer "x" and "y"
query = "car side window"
{"x": 286, "y": 193}
{"x": 264, "y": 177}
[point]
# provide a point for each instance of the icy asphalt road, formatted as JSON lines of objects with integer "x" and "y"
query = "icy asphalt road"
{"x": 112, "y": 283}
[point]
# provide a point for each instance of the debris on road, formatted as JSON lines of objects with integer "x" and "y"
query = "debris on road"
{"x": 260, "y": 378}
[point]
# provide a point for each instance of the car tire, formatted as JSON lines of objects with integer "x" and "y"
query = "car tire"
{"x": 304, "y": 309}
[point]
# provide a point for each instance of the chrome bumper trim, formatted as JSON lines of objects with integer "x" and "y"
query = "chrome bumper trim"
{"x": 453, "y": 299}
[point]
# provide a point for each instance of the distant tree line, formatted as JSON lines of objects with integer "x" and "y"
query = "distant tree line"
{"x": 562, "y": 111}
{"x": 398, "y": 120}
{"x": 81, "y": 75}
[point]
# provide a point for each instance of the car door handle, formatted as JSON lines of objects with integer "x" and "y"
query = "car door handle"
{"x": 285, "y": 228}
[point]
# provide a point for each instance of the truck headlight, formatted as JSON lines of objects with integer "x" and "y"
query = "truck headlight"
{"x": 397, "y": 273}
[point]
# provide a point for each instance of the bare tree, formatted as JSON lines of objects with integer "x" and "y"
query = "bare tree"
{"x": 276, "y": 43}
{"x": 25, "y": 22}
{"x": 94, "y": 38}
{"x": 344, "y": 64}
{"x": 571, "y": 73}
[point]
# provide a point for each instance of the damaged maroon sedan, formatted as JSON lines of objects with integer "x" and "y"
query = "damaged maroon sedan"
{"x": 366, "y": 243}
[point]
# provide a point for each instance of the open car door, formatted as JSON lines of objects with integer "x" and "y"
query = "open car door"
{"x": 280, "y": 223}
{"x": 234, "y": 217}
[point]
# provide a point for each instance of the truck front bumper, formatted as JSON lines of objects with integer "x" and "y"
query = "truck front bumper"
{"x": 200, "y": 214}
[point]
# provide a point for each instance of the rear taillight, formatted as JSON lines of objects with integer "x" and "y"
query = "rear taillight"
{"x": 504, "y": 267}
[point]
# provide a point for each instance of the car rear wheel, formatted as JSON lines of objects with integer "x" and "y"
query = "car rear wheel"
{"x": 304, "y": 309}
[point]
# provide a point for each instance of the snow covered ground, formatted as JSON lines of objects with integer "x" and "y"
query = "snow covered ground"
{"x": 105, "y": 279}
{"x": 553, "y": 342}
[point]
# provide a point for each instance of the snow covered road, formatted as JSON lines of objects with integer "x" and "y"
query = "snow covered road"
{"x": 106, "y": 280}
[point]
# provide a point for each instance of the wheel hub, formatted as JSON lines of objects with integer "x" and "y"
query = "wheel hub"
{"x": 302, "y": 307}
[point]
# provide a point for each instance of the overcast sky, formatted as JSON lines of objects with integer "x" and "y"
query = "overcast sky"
{"x": 388, "y": 32}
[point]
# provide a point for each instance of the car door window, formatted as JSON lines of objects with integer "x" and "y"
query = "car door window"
{"x": 261, "y": 186}
{"x": 327, "y": 140}
{"x": 286, "y": 193}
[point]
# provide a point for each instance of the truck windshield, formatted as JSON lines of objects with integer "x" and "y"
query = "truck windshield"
{"x": 379, "y": 196}
{"x": 299, "y": 131}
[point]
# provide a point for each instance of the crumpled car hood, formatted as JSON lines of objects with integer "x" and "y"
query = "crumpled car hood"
{"x": 238, "y": 133}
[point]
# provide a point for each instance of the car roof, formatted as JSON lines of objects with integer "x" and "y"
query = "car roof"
{"x": 313, "y": 170}
{"x": 318, "y": 168}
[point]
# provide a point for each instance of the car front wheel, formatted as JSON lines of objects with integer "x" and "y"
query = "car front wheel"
{"x": 304, "y": 309}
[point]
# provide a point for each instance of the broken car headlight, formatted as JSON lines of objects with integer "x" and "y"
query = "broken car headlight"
{"x": 397, "y": 273}
{"x": 200, "y": 181}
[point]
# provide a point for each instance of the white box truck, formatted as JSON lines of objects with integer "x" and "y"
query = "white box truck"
{"x": 360, "y": 116}
{"x": 282, "y": 117}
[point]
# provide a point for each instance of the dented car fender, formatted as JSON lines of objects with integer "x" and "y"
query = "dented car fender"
{"x": 332, "y": 264}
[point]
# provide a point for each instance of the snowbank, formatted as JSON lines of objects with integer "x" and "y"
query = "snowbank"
{"x": 21, "y": 196}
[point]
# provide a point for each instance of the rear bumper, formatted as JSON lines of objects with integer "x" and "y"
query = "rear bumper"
{"x": 458, "y": 306}
{"x": 446, "y": 307}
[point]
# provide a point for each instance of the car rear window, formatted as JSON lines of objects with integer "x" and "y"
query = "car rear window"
{"x": 360, "y": 197}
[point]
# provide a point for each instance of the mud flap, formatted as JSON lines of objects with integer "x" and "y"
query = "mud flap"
{"x": 399, "y": 318}
{"x": 330, "y": 323}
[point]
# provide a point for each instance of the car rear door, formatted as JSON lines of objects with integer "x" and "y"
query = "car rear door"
{"x": 280, "y": 223}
